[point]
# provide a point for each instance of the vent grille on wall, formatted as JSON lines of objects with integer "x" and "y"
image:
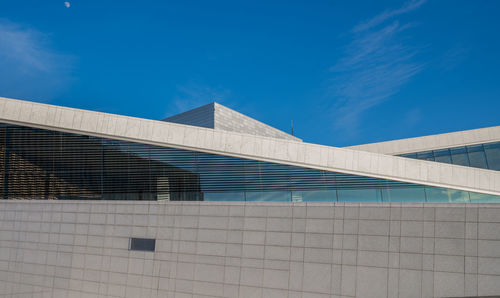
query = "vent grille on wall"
{"x": 142, "y": 244}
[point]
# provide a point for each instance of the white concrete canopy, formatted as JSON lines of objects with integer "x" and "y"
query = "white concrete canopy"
{"x": 248, "y": 146}
{"x": 433, "y": 142}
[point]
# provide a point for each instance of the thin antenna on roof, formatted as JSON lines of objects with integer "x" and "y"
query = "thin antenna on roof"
{"x": 292, "y": 126}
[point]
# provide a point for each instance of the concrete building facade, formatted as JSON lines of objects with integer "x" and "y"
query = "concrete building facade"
{"x": 340, "y": 222}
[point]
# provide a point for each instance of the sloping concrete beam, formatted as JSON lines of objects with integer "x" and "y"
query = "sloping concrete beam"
{"x": 433, "y": 142}
{"x": 248, "y": 146}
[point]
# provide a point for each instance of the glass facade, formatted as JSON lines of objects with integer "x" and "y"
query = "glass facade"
{"x": 484, "y": 156}
{"x": 51, "y": 165}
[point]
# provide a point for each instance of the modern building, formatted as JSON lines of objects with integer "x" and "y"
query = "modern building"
{"x": 213, "y": 203}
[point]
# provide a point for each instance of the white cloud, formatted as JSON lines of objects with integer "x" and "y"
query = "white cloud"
{"x": 67, "y": 4}
{"x": 375, "y": 65}
{"x": 380, "y": 18}
{"x": 30, "y": 68}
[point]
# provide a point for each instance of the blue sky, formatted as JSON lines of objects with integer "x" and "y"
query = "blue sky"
{"x": 346, "y": 72}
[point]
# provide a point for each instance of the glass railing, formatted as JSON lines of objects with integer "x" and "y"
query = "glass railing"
{"x": 401, "y": 195}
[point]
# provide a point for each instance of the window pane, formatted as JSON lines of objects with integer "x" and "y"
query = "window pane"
{"x": 359, "y": 195}
{"x": 442, "y": 156}
{"x": 224, "y": 196}
{"x": 416, "y": 194}
{"x": 483, "y": 198}
{"x": 427, "y": 155}
{"x": 459, "y": 156}
{"x": 315, "y": 196}
{"x": 493, "y": 155}
{"x": 409, "y": 155}
{"x": 437, "y": 194}
{"x": 272, "y": 196}
{"x": 476, "y": 156}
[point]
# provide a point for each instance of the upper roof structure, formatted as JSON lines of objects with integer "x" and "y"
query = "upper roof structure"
{"x": 219, "y": 117}
{"x": 254, "y": 147}
{"x": 433, "y": 142}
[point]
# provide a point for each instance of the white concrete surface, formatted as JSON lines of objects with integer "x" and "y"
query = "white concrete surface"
{"x": 433, "y": 142}
{"x": 68, "y": 249}
{"x": 248, "y": 146}
{"x": 231, "y": 120}
{"x": 219, "y": 117}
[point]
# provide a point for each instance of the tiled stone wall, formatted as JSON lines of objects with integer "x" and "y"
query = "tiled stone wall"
{"x": 231, "y": 120}
{"x": 202, "y": 116}
{"x": 217, "y": 116}
{"x": 80, "y": 249}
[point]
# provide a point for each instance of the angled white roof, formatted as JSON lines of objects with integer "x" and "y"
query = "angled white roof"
{"x": 433, "y": 142}
{"x": 248, "y": 146}
{"x": 219, "y": 117}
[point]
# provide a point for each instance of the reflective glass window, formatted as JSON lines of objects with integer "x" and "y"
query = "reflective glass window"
{"x": 459, "y": 156}
{"x": 44, "y": 164}
{"x": 359, "y": 195}
{"x": 485, "y": 156}
{"x": 412, "y": 194}
{"x": 492, "y": 152}
{"x": 409, "y": 155}
{"x": 314, "y": 196}
{"x": 224, "y": 196}
{"x": 477, "y": 158}
{"x": 483, "y": 198}
{"x": 445, "y": 195}
{"x": 427, "y": 155}
{"x": 270, "y": 196}
{"x": 442, "y": 156}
